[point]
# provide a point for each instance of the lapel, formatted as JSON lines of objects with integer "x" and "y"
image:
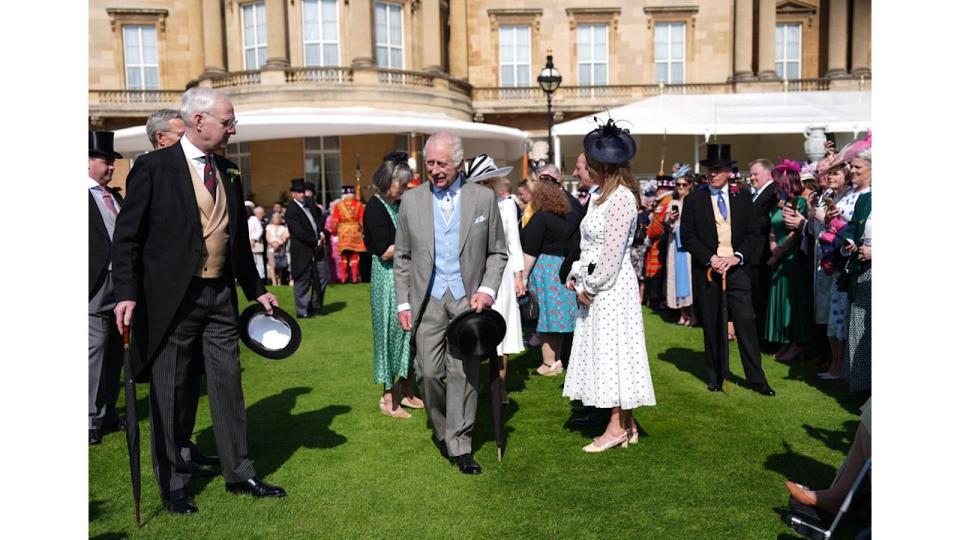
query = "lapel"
{"x": 709, "y": 221}
{"x": 96, "y": 220}
{"x": 227, "y": 183}
{"x": 183, "y": 183}
{"x": 468, "y": 205}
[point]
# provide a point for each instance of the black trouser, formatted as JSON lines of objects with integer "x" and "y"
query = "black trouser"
{"x": 207, "y": 314}
{"x": 310, "y": 286}
{"x": 760, "y": 291}
{"x": 709, "y": 297}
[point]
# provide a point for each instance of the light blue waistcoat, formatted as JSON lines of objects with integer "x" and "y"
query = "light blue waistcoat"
{"x": 446, "y": 248}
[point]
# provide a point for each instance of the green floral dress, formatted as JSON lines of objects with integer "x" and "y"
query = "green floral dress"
{"x": 391, "y": 345}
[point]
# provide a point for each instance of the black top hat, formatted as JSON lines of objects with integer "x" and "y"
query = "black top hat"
{"x": 311, "y": 186}
{"x": 101, "y": 144}
{"x": 297, "y": 185}
{"x": 274, "y": 336}
{"x": 718, "y": 157}
{"x": 609, "y": 144}
{"x": 476, "y": 335}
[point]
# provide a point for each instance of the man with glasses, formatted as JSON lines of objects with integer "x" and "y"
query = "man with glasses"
{"x": 719, "y": 228}
{"x": 179, "y": 246}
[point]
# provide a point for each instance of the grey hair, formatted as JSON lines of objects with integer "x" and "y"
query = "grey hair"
{"x": 198, "y": 99}
{"x": 764, "y": 163}
{"x": 160, "y": 121}
{"x": 391, "y": 171}
{"x": 866, "y": 155}
{"x": 454, "y": 141}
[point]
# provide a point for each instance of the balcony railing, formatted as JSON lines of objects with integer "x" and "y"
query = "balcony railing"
{"x": 406, "y": 78}
{"x": 235, "y": 78}
{"x": 134, "y": 97}
{"x": 323, "y": 75}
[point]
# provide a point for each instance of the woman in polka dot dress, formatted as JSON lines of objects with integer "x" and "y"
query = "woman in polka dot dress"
{"x": 608, "y": 364}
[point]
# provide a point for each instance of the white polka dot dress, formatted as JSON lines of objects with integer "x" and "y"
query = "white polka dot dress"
{"x": 608, "y": 361}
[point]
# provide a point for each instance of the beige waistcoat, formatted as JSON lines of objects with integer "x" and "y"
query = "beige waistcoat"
{"x": 724, "y": 231}
{"x": 214, "y": 221}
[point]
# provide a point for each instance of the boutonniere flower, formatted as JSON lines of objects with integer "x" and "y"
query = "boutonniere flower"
{"x": 233, "y": 174}
{"x": 734, "y": 189}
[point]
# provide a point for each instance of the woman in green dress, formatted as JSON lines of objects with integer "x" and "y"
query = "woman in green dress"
{"x": 391, "y": 345}
{"x": 788, "y": 306}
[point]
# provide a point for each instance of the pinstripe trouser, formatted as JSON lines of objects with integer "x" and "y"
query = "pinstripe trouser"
{"x": 206, "y": 313}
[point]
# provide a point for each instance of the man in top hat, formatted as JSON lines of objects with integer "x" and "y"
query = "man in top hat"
{"x": 655, "y": 265}
{"x": 449, "y": 257}
{"x": 308, "y": 262}
{"x": 719, "y": 228}
{"x": 347, "y": 224}
{"x": 179, "y": 247}
{"x": 104, "y": 352}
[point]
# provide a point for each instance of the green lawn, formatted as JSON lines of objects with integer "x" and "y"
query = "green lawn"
{"x": 709, "y": 465}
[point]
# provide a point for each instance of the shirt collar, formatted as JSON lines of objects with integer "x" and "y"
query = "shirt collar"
{"x": 91, "y": 183}
{"x": 453, "y": 189}
{"x": 763, "y": 187}
{"x": 725, "y": 189}
{"x": 189, "y": 150}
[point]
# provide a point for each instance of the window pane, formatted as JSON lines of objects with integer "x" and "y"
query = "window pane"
{"x": 779, "y": 70}
{"x": 133, "y": 79}
{"x": 661, "y": 75}
{"x": 676, "y": 73}
{"x": 793, "y": 33}
{"x": 261, "y": 57}
{"x": 331, "y": 55}
{"x": 396, "y": 58}
{"x": 584, "y": 75}
{"x": 779, "y": 41}
{"x": 331, "y": 143}
{"x": 523, "y": 53}
{"x": 506, "y": 53}
{"x": 599, "y": 74}
{"x": 660, "y": 51}
{"x": 331, "y": 165}
{"x": 523, "y": 35}
{"x": 382, "y": 56}
{"x": 506, "y": 76}
{"x": 380, "y": 14}
{"x": 329, "y": 12}
{"x": 600, "y": 52}
{"x": 395, "y": 24}
{"x": 523, "y": 75}
{"x": 660, "y": 33}
{"x": 131, "y": 44}
{"x": 793, "y": 70}
{"x": 311, "y": 55}
{"x": 250, "y": 59}
{"x": 313, "y": 143}
{"x": 676, "y": 40}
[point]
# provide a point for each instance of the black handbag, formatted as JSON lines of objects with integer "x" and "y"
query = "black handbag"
{"x": 529, "y": 307}
{"x": 843, "y": 277}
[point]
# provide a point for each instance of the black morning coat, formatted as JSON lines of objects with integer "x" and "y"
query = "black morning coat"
{"x": 158, "y": 244}
{"x": 99, "y": 244}
{"x": 698, "y": 228}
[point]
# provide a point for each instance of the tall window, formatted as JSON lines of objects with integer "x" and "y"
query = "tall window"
{"x": 515, "y": 55}
{"x": 592, "y": 54}
{"x": 788, "y": 51}
{"x": 239, "y": 153}
{"x": 669, "y": 52}
{"x": 321, "y": 36}
{"x": 254, "y": 35}
{"x": 389, "y": 35}
{"x": 321, "y": 165}
{"x": 140, "y": 57}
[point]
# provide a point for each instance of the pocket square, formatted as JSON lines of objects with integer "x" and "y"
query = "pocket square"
{"x": 480, "y": 219}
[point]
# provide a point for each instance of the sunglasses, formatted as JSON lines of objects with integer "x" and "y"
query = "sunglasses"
{"x": 548, "y": 178}
{"x": 683, "y": 184}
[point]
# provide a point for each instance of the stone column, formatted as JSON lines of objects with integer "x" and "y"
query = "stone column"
{"x": 430, "y": 16}
{"x": 743, "y": 41}
{"x": 361, "y": 33}
{"x": 212, "y": 37}
{"x": 766, "y": 46}
{"x": 195, "y": 27}
{"x": 860, "y": 53}
{"x": 837, "y": 35}
{"x": 277, "y": 57}
{"x": 458, "y": 39}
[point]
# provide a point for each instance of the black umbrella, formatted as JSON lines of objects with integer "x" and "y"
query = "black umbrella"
{"x": 496, "y": 402}
{"x": 133, "y": 428}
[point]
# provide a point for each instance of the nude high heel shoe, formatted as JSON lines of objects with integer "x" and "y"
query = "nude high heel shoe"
{"x": 622, "y": 441}
{"x": 395, "y": 413}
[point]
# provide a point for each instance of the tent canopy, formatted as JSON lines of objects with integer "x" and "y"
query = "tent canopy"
{"x": 734, "y": 114}
{"x": 283, "y": 123}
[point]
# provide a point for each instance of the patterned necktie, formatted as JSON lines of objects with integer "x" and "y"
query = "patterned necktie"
{"x": 722, "y": 205}
{"x": 446, "y": 206}
{"x": 108, "y": 200}
{"x": 210, "y": 176}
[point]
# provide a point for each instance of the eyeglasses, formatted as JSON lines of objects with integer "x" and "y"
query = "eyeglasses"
{"x": 227, "y": 124}
{"x": 682, "y": 184}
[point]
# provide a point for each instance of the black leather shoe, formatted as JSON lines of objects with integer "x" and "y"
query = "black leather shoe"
{"x": 116, "y": 424}
{"x": 442, "y": 446}
{"x": 95, "y": 437}
{"x": 714, "y": 387}
{"x": 198, "y": 471}
{"x": 256, "y": 487}
{"x": 178, "y": 502}
{"x": 763, "y": 389}
{"x": 467, "y": 464}
{"x": 200, "y": 458}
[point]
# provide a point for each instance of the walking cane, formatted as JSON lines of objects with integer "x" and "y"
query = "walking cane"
{"x": 725, "y": 349}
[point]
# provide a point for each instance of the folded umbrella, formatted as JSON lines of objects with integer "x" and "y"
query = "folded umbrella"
{"x": 133, "y": 428}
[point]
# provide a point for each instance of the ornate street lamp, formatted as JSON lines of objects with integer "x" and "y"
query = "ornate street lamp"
{"x": 549, "y": 80}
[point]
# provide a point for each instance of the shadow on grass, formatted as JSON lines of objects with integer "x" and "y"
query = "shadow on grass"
{"x": 333, "y": 307}
{"x": 850, "y": 402}
{"x": 692, "y": 362}
{"x": 840, "y": 440}
{"x": 275, "y": 433}
{"x": 800, "y": 468}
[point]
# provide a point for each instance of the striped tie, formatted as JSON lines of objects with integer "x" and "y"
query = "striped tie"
{"x": 210, "y": 176}
{"x": 108, "y": 200}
